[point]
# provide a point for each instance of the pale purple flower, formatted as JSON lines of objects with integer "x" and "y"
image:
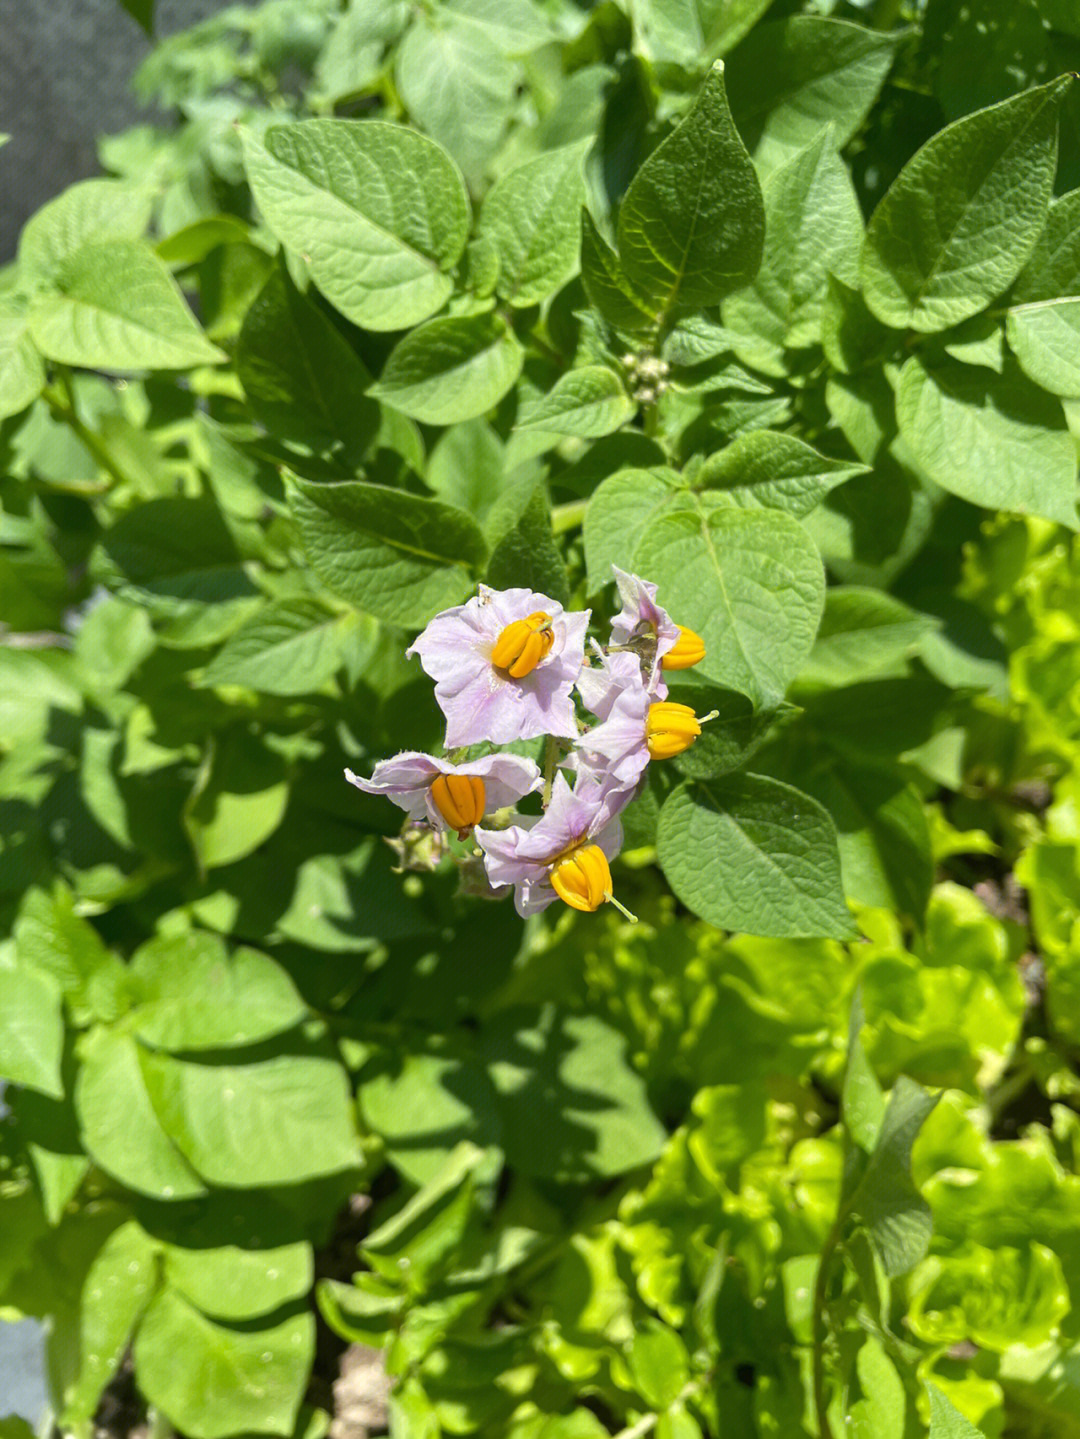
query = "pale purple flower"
{"x": 481, "y": 702}
{"x": 524, "y": 855}
{"x": 641, "y": 617}
{"x": 406, "y": 780}
{"x": 616, "y": 694}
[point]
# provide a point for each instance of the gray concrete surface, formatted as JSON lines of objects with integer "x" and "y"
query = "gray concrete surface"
{"x": 22, "y": 1372}
{"x": 65, "y": 72}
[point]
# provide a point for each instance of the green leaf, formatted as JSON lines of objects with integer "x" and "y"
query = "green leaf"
{"x": 619, "y": 513}
{"x": 851, "y": 337}
{"x": 120, "y": 1126}
{"x": 1053, "y": 267}
{"x": 792, "y": 77}
{"x": 691, "y": 225}
{"x": 1044, "y": 338}
{"x": 31, "y": 1031}
{"x": 303, "y": 380}
{"x": 862, "y": 1101}
{"x": 379, "y": 213}
{"x": 606, "y": 285}
{"x": 863, "y": 632}
{"x": 996, "y": 441}
{"x": 691, "y": 33}
{"x": 90, "y": 213}
{"x": 116, "y": 1290}
{"x": 22, "y": 372}
{"x": 749, "y": 582}
{"x": 946, "y": 1421}
{"x": 274, "y": 1121}
{"x": 239, "y": 800}
{"x": 726, "y": 742}
{"x": 763, "y": 469}
{"x": 588, "y": 402}
{"x": 192, "y": 995}
{"x": 885, "y": 857}
{"x": 173, "y": 557}
{"x": 813, "y": 227}
{"x": 879, "y": 1412}
{"x": 292, "y": 647}
{"x": 527, "y": 555}
{"x": 399, "y": 556}
{"x": 451, "y": 369}
{"x": 51, "y": 937}
{"x": 213, "y": 1382}
{"x": 963, "y": 215}
{"x": 226, "y": 1282}
{"x": 530, "y": 216}
{"x": 116, "y": 308}
{"x": 751, "y": 854}
{"x": 572, "y": 1105}
{"x": 995, "y": 1298}
{"x": 895, "y": 1213}
{"x": 457, "y": 83}
{"x": 659, "y": 1365}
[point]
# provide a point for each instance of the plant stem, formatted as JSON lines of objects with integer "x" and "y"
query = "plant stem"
{"x": 568, "y": 516}
{"x": 62, "y": 408}
{"x": 820, "y": 1331}
{"x": 551, "y": 755}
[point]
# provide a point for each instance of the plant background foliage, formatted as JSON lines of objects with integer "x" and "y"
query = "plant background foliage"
{"x": 378, "y": 319}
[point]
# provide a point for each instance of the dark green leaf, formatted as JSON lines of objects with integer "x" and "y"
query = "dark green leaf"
{"x": 691, "y": 226}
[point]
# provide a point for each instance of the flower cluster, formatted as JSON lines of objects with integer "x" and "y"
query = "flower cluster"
{"x": 506, "y": 666}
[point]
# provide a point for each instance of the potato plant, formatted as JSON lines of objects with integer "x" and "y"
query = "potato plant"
{"x": 637, "y": 440}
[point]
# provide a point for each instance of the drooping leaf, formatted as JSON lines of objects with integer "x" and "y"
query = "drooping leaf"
{"x": 115, "y": 307}
{"x": 691, "y": 226}
{"x": 399, "y": 556}
{"x": 958, "y": 223}
{"x": 379, "y": 212}
{"x": 749, "y": 853}
{"x": 451, "y": 369}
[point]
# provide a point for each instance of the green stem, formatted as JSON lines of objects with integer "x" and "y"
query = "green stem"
{"x": 62, "y": 407}
{"x": 820, "y": 1330}
{"x": 568, "y": 516}
{"x": 551, "y": 756}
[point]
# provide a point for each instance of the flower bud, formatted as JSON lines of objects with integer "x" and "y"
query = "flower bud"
{"x": 523, "y": 644}
{"x": 583, "y": 880}
{"x": 670, "y": 728}
{"x": 460, "y": 799}
{"x": 689, "y": 649}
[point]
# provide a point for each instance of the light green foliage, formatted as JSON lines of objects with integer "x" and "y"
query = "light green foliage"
{"x": 492, "y": 291}
{"x": 379, "y": 212}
